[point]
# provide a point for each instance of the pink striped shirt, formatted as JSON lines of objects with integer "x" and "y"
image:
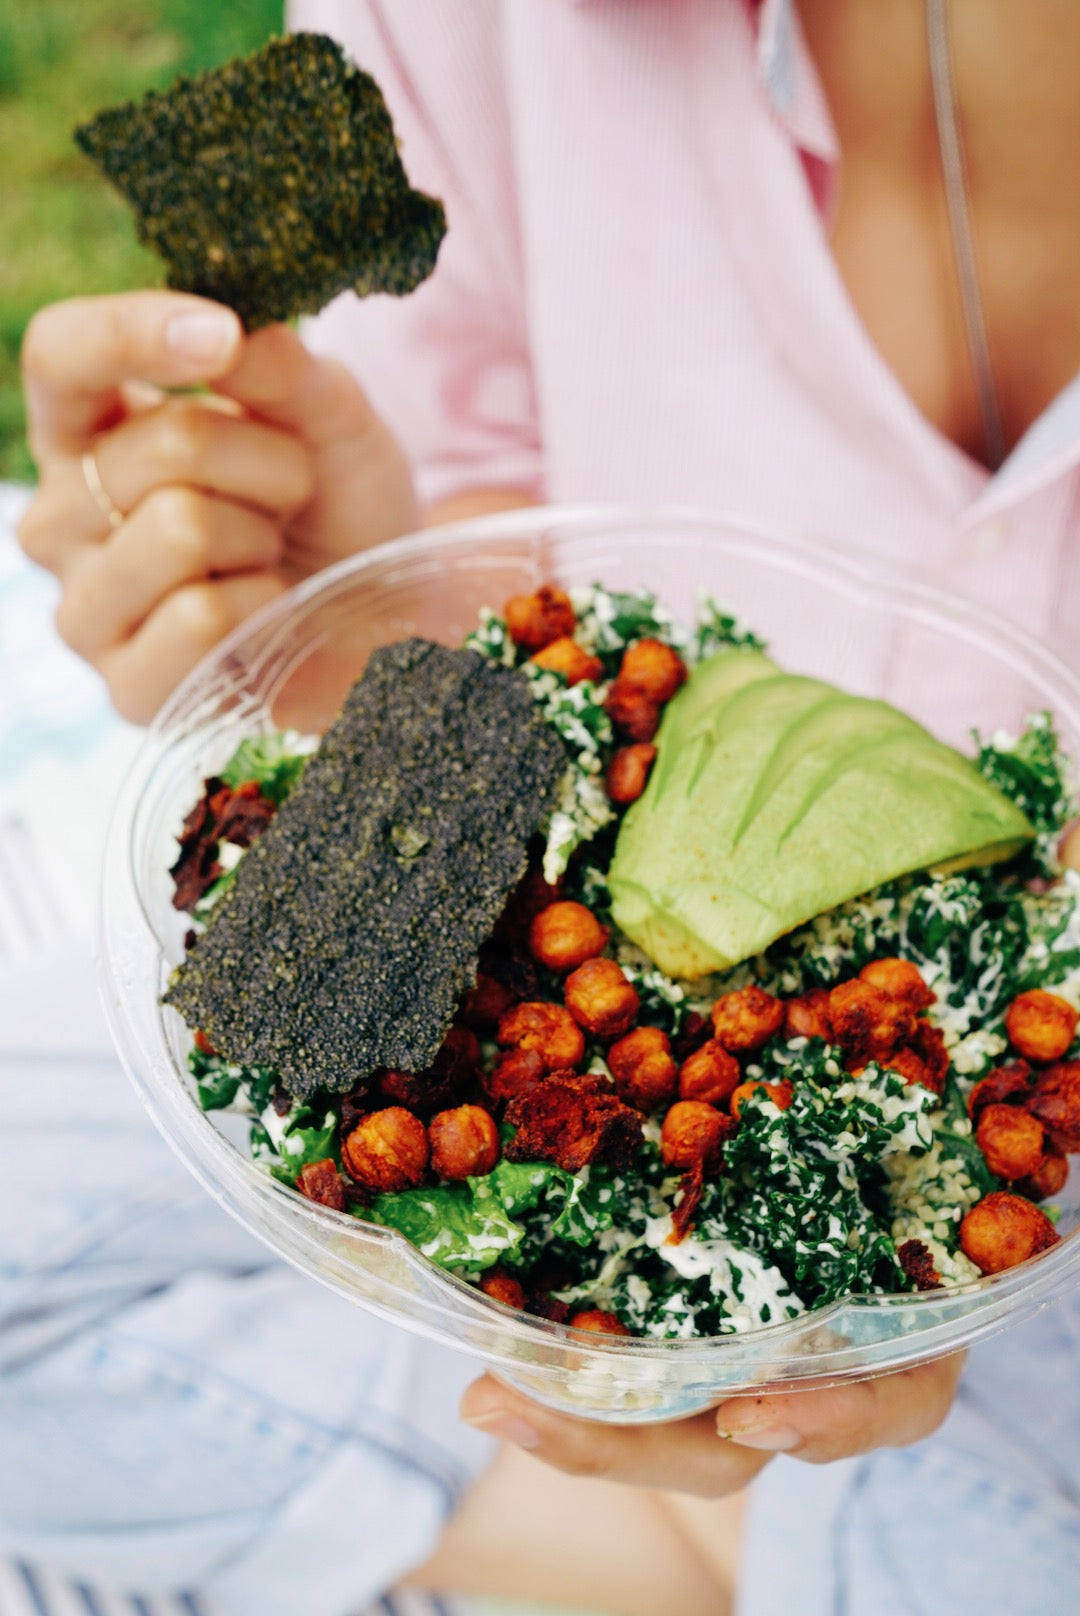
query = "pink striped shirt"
{"x": 636, "y": 300}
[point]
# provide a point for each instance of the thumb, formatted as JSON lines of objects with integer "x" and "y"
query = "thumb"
{"x": 277, "y": 379}
{"x": 887, "y": 1412}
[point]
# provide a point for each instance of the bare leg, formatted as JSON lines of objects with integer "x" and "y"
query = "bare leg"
{"x": 529, "y": 1532}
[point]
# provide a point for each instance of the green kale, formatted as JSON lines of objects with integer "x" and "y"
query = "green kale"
{"x": 274, "y": 761}
{"x": 305, "y": 1135}
{"x": 271, "y": 184}
{"x": 1033, "y": 771}
{"x": 469, "y": 1226}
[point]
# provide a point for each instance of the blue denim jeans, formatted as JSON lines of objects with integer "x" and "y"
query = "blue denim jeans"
{"x": 177, "y": 1408}
{"x": 983, "y": 1518}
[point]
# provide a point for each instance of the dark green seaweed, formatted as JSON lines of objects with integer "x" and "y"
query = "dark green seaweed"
{"x": 353, "y": 924}
{"x": 272, "y": 183}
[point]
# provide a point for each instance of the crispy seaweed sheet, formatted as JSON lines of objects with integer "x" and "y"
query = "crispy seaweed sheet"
{"x": 354, "y": 923}
{"x": 272, "y": 183}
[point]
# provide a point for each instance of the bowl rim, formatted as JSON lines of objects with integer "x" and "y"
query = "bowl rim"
{"x": 914, "y": 596}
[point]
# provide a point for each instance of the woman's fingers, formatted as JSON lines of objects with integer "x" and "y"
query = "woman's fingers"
{"x": 77, "y": 356}
{"x": 143, "y": 670}
{"x": 175, "y": 537}
{"x": 889, "y": 1412}
{"x": 721, "y": 1450}
{"x": 684, "y": 1456}
{"x": 190, "y": 441}
{"x": 197, "y": 442}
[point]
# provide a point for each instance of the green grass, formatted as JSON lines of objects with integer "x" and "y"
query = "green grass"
{"x": 64, "y": 230}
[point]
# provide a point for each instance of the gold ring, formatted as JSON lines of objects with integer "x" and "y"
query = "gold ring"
{"x": 98, "y": 492}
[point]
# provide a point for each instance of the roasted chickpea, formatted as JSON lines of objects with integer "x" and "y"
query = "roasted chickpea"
{"x": 746, "y": 1019}
{"x": 1040, "y": 1026}
{"x": 483, "y": 1004}
{"x": 710, "y": 1074}
{"x": 464, "y": 1142}
{"x": 535, "y": 620}
{"x": 550, "y": 1029}
{"x": 900, "y": 979}
{"x": 565, "y": 935}
{"x": 911, "y": 1067}
{"x": 598, "y": 1321}
{"x": 1003, "y": 1230}
{"x": 503, "y": 1287}
{"x": 321, "y": 1182}
{"x": 1003, "y": 1085}
{"x": 515, "y": 1072}
{"x": 808, "y": 1016}
{"x": 928, "y": 1042}
{"x": 531, "y": 894}
{"x": 643, "y": 1068}
{"x": 628, "y": 772}
{"x": 867, "y": 1023}
{"x": 387, "y": 1151}
{"x": 1013, "y": 1141}
{"x": 653, "y": 668}
{"x": 781, "y": 1094}
{"x": 694, "y": 1133}
{"x": 567, "y": 657}
{"x": 634, "y": 715}
{"x": 1056, "y": 1103}
{"x": 1049, "y": 1179}
{"x": 600, "y": 998}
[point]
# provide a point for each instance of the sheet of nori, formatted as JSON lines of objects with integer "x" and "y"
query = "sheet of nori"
{"x": 272, "y": 183}
{"x": 354, "y": 923}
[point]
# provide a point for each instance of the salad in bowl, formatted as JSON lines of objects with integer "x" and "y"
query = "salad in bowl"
{"x": 597, "y": 989}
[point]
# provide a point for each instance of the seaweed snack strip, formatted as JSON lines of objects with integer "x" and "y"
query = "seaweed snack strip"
{"x": 354, "y": 923}
{"x": 271, "y": 184}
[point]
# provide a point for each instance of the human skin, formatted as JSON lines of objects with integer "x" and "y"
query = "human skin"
{"x": 218, "y": 523}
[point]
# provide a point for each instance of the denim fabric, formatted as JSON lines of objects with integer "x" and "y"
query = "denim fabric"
{"x": 178, "y": 1410}
{"x": 181, "y": 1411}
{"x": 982, "y": 1518}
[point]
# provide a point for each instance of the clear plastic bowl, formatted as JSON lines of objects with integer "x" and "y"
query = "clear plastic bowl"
{"x": 942, "y": 659}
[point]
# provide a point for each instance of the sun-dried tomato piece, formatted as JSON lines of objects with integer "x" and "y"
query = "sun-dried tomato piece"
{"x": 917, "y": 1263}
{"x": 573, "y": 1120}
{"x": 222, "y": 814}
{"x": 687, "y": 1201}
{"x": 320, "y": 1181}
{"x": 1056, "y": 1103}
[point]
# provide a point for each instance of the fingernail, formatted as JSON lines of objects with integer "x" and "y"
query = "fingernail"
{"x": 768, "y": 1438}
{"x": 204, "y": 335}
{"x": 507, "y": 1427}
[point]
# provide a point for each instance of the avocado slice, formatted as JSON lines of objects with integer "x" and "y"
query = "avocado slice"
{"x": 774, "y": 798}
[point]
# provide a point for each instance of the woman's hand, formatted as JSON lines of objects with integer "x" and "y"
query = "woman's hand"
{"x": 207, "y": 505}
{"x": 721, "y": 1450}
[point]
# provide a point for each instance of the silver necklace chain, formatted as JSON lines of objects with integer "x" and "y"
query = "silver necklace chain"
{"x": 952, "y": 166}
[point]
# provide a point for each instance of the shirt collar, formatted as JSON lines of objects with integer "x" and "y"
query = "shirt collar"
{"x": 789, "y": 79}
